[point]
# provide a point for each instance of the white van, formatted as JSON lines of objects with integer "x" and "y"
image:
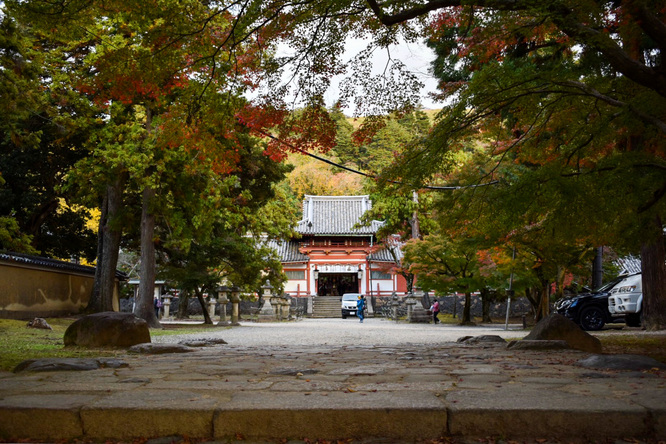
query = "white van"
{"x": 349, "y": 301}
{"x": 626, "y": 299}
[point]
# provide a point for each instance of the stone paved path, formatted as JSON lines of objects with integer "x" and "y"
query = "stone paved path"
{"x": 383, "y": 391}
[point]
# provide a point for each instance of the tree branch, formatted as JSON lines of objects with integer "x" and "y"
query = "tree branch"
{"x": 614, "y": 102}
{"x": 565, "y": 19}
{"x": 433, "y": 5}
{"x": 650, "y": 23}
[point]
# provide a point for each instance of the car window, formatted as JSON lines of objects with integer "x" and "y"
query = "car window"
{"x": 349, "y": 297}
{"x": 629, "y": 284}
{"x": 609, "y": 285}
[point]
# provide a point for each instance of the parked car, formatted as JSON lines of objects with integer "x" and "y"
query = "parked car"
{"x": 349, "y": 304}
{"x": 590, "y": 309}
{"x": 626, "y": 299}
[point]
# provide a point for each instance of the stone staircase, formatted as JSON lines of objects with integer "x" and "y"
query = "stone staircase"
{"x": 326, "y": 307}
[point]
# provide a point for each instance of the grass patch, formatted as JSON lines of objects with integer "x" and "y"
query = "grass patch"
{"x": 448, "y": 319}
{"x": 653, "y": 346}
{"x": 19, "y": 343}
{"x": 169, "y": 330}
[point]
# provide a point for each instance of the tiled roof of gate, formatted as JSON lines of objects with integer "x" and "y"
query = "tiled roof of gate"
{"x": 335, "y": 215}
{"x": 287, "y": 251}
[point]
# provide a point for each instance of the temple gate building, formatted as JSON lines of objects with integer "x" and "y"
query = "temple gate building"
{"x": 334, "y": 257}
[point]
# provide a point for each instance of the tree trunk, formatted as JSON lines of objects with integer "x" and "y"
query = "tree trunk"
{"x": 95, "y": 302}
{"x": 543, "y": 305}
{"x": 532, "y": 297}
{"x": 200, "y": 298}
{"x": 108, "y": 249}
{"x": 559, "y": 285}
{"x": 409, "y": 280}
{"x": 653, "y": 261}
{"x": 183, "y": 302}
{"x": 598, "y": 268}
{"x": 112, "y": 237}
{"x": 485, "y": 306}
{"x": 416, "y": 232}
{"x": 144, "y": 306}
{"x": 543, "y": 309}
{"x": 467, "y": 309}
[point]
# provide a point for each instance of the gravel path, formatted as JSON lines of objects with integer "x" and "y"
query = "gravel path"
{"x": 334, "y": 332}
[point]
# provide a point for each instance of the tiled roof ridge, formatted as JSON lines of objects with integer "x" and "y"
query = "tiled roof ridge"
{"x": 335, "y": 215}
{"x": 349, "y": 197}
{"x": 29, "y": 259}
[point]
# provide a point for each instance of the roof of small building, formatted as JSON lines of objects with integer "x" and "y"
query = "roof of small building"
{"x": 44, "y": 262}
{"x": 629, "y": 264}
{"x": 287, "y": 251}
{"x": 387, "y": 253}
{"x": 336, "y": 215}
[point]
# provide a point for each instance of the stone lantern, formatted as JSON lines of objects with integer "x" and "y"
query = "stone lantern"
{"x": 166, "y": 306}
{"x": 418, "y": 314}
{"x": 211, "y": 306}
{"x": 287, "y": 307}
{"x": 267, "y": 308}
{"x": 285, "y": 302}
{"x": 276, "y": 302}
{"x": 410, "y": 301}
{"x": 223, "y": 292}
{"x": 235, "y": 300}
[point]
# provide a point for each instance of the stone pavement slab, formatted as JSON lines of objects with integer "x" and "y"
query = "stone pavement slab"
{"x": 222, "y": 391}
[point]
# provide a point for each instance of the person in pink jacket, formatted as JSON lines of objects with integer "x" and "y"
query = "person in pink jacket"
{"x": 435, "y": 311}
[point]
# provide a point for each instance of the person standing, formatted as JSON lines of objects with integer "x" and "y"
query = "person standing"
{"x": 360, "y": 306}
{"x": 157, "y": 304}
{"x": 435, "y": 311}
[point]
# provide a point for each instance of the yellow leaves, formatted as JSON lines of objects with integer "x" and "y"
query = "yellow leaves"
{"x": 318, "y": 179}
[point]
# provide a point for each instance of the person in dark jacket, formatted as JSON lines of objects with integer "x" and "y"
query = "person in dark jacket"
{"x": 360, "y": 306}
{"x": 157, "y": 304}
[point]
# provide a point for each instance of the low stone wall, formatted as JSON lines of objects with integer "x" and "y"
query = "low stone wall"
{"x": 519, "y": 306}
{"x": 32, "y": 287}
{"x": 246, "y": 307}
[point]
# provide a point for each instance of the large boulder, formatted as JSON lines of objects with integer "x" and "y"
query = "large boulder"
{"x": 108, "y": 329}
{"x": 557, "y": 327}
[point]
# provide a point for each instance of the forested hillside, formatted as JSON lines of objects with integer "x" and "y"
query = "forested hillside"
{"x": 368, "y": 154}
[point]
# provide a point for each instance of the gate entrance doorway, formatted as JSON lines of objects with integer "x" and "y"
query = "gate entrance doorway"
{"x": 337, "y": 284}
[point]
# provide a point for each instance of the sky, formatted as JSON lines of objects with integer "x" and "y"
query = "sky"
{"x": 416, "y": 56}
